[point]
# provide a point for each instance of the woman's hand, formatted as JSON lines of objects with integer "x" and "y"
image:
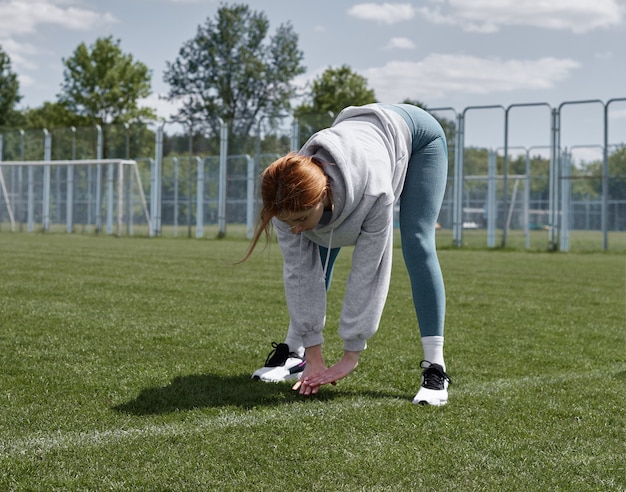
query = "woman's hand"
{"x": 318, "y": 374}
{"x": 314, "y": 365}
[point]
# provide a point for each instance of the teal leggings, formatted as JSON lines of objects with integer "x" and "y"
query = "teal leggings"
{"x": 420, "y": 203}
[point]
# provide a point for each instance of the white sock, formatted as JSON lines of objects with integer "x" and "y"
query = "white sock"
{"x": 299, "y": 349}
{"x": 433, "y": 350}
{"x": 295, "y": 342}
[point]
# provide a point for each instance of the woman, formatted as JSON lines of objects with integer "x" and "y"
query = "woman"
{"x": 340, "y": 190}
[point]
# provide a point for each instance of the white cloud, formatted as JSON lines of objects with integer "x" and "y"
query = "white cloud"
{"x": 25, "y": 80}
{"x": 165, "y": 109}
{"x": 19, "y": 53}
{"x": 19, "y": 17}
{"x": 578, "y": 16}
{"x": 400, "y": 43}
{"x": 389, "y": 13}
{"x": 619, "y": 114}
{"x": 440, "y": 75}
{"x": 603, "y": 55}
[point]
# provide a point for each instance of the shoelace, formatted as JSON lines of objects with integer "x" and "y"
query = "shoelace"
{"x": 279, "y": 355}
{"x": 434, "y": 376}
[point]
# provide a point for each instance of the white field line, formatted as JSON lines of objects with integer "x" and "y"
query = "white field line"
{"x": 48, "y": 441}
{"x": 44, "y": 442}
{"x": 41, "y": 443}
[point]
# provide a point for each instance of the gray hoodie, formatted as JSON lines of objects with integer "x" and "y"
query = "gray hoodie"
{"x": 365, "y": 154}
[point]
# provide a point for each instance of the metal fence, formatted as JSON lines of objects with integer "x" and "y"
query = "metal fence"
{"x": 498, "y": 193}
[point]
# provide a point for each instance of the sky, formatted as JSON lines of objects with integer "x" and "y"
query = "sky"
{"x": 458, "y": 54}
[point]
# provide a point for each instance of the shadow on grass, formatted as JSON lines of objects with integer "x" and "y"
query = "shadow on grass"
{"x": 210, "y": 390}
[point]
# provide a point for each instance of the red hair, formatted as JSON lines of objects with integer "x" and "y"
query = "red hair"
{"x": 290, "y": 184}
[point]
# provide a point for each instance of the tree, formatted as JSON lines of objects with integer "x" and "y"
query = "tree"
{"x": 617, "y": 175}
{"x": 104, "y": 84}
{"x": 338, "y": 88}
{"x": 228, "y": 71}
{"x": 52, "y": 115}
{"x": 9, "y": 90}
{"x": 332, "y": 91}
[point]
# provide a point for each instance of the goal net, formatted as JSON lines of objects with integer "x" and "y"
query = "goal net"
{"x": 95, "y": 194}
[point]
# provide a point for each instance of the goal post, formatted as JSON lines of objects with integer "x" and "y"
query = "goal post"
{"x": 38, "y": 183}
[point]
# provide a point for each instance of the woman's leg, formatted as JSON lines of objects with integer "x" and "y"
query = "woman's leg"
{"x": 420, "y": 204}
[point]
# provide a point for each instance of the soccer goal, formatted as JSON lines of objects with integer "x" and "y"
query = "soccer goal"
{"x": 93, "y": 193}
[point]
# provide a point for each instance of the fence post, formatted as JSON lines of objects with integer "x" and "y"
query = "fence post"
{"x": 492, "y": 207}
{"x": 110, "y": 192}
{"x": 155, "y": 183}
{"x": 250, "y": 196}
{"x": 295, "y": 135}
{"x": 457, "y": 202}
{"x": 120, "y": 197}
{"x": 527, "y": 202}
{"x": 175, "y": 162}
{"x": 69, "y": 204}
{"x": 566, "y": 188}
{"x": 99, "y": 153}
{"x": 605, "y": 180}
{"x": 199, "y": 197}
{"x": 553, "y": 216}
{"x": 30, "y": 192}
{"x": 47, "y": 155}
{"x": 155, "y": 198}
{"x": 3, "y": 189}
{"x": 221, "y": 206}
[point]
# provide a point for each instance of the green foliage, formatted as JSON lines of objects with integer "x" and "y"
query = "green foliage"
{"x": 336, "y": 89}
{"x": 104, "y": 85}
{"x": 617, "y": 175}
{"x": 332, "y": 91}
{"x": 230, "y": 71}
{"x": 126, "y": 366}
{"x": 53, "y": 115}
{"x": 9, "y": 90}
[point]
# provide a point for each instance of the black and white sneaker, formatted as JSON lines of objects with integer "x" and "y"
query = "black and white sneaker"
{"x": 434, "y": 390}
{"x": 280, "y": 365}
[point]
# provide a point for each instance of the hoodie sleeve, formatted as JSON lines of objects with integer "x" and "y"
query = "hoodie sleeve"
{"x": 368, "y": 282}
{"x": 305, "y": 288}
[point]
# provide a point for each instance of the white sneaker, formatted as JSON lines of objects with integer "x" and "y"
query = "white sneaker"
{"x": 280, "y": 365}
{"x": 434, "y": 389}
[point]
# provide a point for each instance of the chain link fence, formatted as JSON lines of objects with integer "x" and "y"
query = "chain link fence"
{"x": 544, "y": 196}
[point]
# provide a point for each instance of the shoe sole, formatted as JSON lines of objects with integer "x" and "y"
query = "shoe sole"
{"x": 425, "y": 403}
{"x": 289, "y": 377}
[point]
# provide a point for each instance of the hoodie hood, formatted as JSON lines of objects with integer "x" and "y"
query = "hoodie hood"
{"x": 364, "y": 154}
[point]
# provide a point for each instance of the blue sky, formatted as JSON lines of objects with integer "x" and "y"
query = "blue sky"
{"x": 445, "y": 53}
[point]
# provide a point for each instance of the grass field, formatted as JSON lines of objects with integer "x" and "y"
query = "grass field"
{"x": 125, "y": 365}
{"x": 580, "y": 241}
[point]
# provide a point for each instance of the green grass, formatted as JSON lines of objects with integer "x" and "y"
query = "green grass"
{"x": 580, "y": 241}
{"x": 125, "y": 365}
